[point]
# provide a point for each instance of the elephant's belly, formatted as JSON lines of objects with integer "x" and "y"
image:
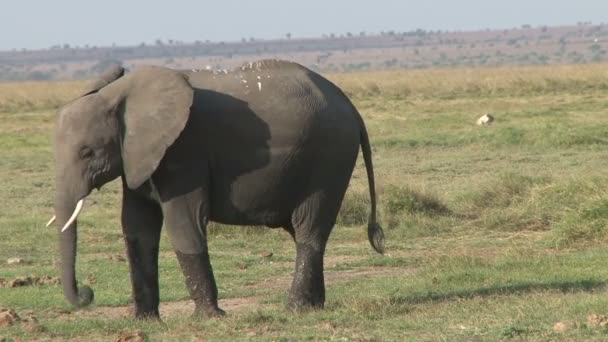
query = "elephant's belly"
{"x": 265, "y": 195}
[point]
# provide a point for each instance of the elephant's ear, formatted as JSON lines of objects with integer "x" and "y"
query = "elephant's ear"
{"x": 112, "y": 74}
{"x": 154, "y": 112}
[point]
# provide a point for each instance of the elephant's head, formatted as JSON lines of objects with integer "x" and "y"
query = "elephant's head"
{"x": 122, "y": 126}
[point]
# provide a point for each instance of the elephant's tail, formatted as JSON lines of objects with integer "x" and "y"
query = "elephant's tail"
{"x": 374, "y": 231}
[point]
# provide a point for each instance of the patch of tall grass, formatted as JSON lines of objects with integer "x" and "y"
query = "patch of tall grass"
{"x": 31, "y": 96}
{"x": 475, "y": 82}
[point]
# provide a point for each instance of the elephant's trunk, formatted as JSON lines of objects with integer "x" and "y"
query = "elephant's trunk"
{"x": 67, "y": 245}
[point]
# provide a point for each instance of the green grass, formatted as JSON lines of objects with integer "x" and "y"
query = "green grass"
{"x": 493, "y": 233}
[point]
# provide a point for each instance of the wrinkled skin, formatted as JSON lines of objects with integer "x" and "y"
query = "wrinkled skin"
{"x": 271, "y": 143}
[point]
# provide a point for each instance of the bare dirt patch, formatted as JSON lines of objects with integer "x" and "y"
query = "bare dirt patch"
{"x": 335, "y": 260}
{"x": 167, "y": 309}
{"x": 362, "y": 272}
{"x": 229, "y": 305}
{"x": 331, "y": 277}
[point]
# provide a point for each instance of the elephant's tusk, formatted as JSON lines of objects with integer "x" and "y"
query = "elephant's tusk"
{"x": 75, "y": 214}
{"x": 51, "y": 221}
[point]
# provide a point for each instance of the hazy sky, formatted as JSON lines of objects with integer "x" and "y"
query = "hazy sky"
{"x": 42, "y": 23}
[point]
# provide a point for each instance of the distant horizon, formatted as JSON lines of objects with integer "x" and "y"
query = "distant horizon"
{"x": 37, "y": 25}
{"x": 295, "y": 37}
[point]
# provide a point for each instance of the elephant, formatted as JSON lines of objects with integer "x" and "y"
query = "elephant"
{"x": 270, "y": 143}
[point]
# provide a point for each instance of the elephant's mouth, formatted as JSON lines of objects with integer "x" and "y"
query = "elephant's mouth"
{"x": 98, "y": 184}
{"x": 73, "y": 217}
{"x": 77, "y": 210}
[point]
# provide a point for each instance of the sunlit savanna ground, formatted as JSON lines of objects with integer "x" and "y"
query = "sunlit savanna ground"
{"x": 492, "y": 232}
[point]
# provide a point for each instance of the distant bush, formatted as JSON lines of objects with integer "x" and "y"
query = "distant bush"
{"x": 586, "y": 224}
{"x": 502, "y": 191}
{"x": 356, "y": 66}
{"x": 398, "y": 201}
{"x": 405, "y": 200}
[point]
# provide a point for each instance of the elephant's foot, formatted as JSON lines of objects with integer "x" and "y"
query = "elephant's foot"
{"x": 201, "y": 284}
{"x": 145, "y": 304}
{"x": 147, "y": 315}
{"x": 145, "y": 308}
{"x": 303, "y": 304}
{"x": 208, "y": 312}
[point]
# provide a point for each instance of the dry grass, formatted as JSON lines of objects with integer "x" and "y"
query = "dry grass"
{"x": 28, "y": 96}
{"x": 427, "y": 83}
{"x": 441, "y": 83}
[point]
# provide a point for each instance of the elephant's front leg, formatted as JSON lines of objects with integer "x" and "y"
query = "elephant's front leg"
{"x": 142, "y": 220}
{"x": 186, "y": 217}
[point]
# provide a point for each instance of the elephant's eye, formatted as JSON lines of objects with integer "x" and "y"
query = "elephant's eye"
{"x": 86, "y": 152}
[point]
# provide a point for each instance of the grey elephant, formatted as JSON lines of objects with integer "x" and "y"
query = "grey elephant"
{"x": 271, "y": 143}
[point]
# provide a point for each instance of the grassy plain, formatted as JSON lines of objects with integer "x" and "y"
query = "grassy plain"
{"x": 492, "y": 232}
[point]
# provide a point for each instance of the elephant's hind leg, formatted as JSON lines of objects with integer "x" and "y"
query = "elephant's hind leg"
{"x": 312, "y": 223}
{"x": 308, "y": 286}
{"x": 186, "y": 217}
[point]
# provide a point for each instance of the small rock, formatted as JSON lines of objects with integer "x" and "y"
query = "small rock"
{"x": 485, "y": 119}
{"x": 597, "y": 320}
{"x": 563, "y": 326}
{"x": 62, "y": 312}
{"x": 30, "y": 281}
{"x": 20, "y": 281}
{"x": 117, "y": 258}
{"x": 27, "y": 313}
{"x": 15, "y": 261}
{"x": 48, "y": 280}
{"x": 8, "y": 317}
{"x": 31, "y": 324}
{"x": 131, "y": 336}
{"x": 266, "y": 255}
{"x": 328, "y": 326}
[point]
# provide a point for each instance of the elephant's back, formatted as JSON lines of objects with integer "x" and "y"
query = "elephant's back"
{"x": 292, "y": 100}
{"x": 257, "y": 82}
